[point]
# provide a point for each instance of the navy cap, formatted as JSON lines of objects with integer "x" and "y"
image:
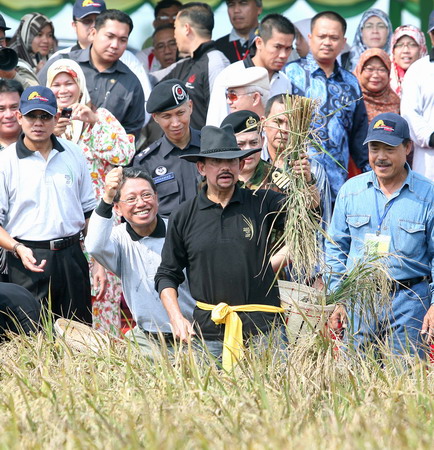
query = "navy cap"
{"x": 3, "y": 23}
{"x": 242, "y": 121}
{"x": 38, "y": 97}
{"x": 83, "y": 8}
{"x": 431, "y": 22}
{"x": 389, "y": 128}
{"x": 167, "y": 95}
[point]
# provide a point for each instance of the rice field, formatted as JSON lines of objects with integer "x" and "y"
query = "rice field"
{"x": 53, "y": 396}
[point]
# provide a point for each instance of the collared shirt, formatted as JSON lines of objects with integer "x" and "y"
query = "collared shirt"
{"x": 342, "y": 122}
{"x": 234, "y": 47}
{"x": 226, "y": 253}
{"x": 134, "y": 259}
{"x": 117, "y": 89}
{"x": 44, "y": 199}
{"x": 176, "y": 179}
{"x": 409, "y": 223}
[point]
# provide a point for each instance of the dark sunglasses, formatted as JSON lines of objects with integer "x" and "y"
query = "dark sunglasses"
{"x": 45, "y": 117}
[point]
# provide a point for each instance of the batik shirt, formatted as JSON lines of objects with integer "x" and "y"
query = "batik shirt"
{"x": 342, "y": 122}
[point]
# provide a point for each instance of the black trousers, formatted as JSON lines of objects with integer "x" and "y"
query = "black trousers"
{"x": 65, "y": 277}
{"x": 19, "y": 310}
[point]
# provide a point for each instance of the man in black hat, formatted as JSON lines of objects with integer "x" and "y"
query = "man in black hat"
{"x": 221, "y": 237}
{"x": 175, "y": 178}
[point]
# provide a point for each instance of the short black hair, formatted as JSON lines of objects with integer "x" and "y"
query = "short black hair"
{"x": 275, "y": 22}
{"x": 163, "y": 4}
{"x": 131, "y": 173}
{"x": 113, "y": 14}
{"x": 11, "y": 86}
{"x": 278, "y": 98}
{"x": 199, "y": 16}
{"x": 258, "y": 2}
{"x": 165, "y": 26}
{"x": 332, "y": 15}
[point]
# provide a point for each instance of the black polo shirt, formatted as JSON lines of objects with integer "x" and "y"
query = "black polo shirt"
{"x": 226, "y": 254}
{"x": 176, "y": 179}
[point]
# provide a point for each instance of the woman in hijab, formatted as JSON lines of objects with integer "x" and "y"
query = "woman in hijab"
{"x": 374, "y": 31}
{"x": 105, "y": 145}
{"x": 408, "y": 45}
{"x": 34, "y": 40}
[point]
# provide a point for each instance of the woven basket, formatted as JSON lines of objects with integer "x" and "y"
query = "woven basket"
{"x": 79, "y": 336}
{"x": 304, "y": 312}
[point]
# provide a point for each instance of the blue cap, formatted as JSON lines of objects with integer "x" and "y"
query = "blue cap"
{"x": 389, "y": 128}
{"x": 83, "y": 8}
{"x": 431, "y": 22}
{"x": 38, "y": 97}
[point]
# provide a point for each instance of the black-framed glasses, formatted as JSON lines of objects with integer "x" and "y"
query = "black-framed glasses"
{"x": 45, "y": 117}
{"x": 146, "y": 197}
{"x": 87, "y": 22}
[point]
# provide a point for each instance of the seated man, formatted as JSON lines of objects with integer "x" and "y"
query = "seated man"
{"x": 132, "y": 250}
{"x": 387, "y": 212}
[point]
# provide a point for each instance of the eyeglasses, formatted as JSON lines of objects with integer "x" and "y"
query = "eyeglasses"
{"x": 406, "y": 44}
{"x": 45, "y": 117}
{"x": 377, "y": 26}
{"x": 145, "y": 197}
{"x": 163, "y": 45}
{"x": 371, "y": 70}
{"x": 233, "y": 96}
{"x": 87, "y": 22}
{"x": 166, "y": 17}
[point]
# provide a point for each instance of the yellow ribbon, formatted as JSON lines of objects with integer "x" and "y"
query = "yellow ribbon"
{"x": 233, "y": 340}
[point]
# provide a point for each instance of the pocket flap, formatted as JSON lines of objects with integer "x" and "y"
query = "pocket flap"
{"x": 167, "y": 188}
{"x": 411, "y": 227}
{"x": 358, "y": 221}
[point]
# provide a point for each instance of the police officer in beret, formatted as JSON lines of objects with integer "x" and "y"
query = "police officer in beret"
{"x": 175, "y": 178}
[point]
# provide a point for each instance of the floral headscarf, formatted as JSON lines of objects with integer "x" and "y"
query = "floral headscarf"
{"x": 377, "y": 102}
{"x": 73, "y": 132}
{"x": 397, "y": 73}
{"x": 29, "y": 27}
{"x": 358, "y": 46}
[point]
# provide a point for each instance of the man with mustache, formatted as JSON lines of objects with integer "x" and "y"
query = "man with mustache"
{"x": 222, "y": 238}
{"x": 387, "y": 212}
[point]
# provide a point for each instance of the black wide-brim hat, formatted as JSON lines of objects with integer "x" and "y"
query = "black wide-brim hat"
{"x": 219, "y": 143}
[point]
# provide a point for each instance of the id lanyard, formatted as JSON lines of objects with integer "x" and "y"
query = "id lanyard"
{"x": 380, "y": 219}
{"x": 239, "y": 56}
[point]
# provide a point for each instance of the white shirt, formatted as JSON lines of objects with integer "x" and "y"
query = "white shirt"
{"x": 40, "y": 199}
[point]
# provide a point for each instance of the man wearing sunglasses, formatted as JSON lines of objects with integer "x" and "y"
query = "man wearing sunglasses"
{"x": 46, "y": 197}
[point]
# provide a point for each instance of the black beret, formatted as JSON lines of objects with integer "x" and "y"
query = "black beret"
{"x": 168, "y": 94}
{"x": 242, "y": 121}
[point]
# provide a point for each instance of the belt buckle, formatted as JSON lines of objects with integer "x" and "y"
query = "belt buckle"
{"x": 53, "y": 244}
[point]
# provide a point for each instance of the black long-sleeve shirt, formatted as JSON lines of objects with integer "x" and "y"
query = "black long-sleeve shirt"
{"x": 226, "y": 253}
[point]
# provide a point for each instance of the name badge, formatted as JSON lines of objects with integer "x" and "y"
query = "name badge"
{"x": 377, "y": 245}
{"x": 163, "y": 178}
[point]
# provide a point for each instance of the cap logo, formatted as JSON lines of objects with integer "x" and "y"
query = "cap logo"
{"x": 178, "y": 93}
{"x": 90, "y": 3}
{"x": 385, "y": 125}
{"x": 251, "y": 122}
{"x": 36, "y": 96}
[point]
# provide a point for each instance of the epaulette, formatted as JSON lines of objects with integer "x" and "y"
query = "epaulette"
{"x": 148, "y": 150}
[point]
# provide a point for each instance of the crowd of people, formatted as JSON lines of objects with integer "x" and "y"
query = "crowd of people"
{"x": 158, "y": 178}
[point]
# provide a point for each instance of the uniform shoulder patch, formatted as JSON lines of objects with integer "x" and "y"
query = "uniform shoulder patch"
{"x": 148, "y": 150}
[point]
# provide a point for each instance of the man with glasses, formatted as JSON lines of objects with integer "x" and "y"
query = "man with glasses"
{"x": 175, "y": 178}
{"x": 417, "y": 107}
{"x": 46, "y": 197}
{"x": 133, "y": 251}
{"x": 342, "y": 119}
{"x": 273, "y": 46}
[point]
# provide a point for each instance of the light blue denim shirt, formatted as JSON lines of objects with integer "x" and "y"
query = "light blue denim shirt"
{"x": 342, "y": 122}
{"x": 409, "y": 223}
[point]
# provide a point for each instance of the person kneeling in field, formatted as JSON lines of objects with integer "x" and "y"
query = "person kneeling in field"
{"x": 132, "y": 251}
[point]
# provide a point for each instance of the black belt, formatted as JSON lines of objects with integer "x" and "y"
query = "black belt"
{"x": 167, "y": 337}
{"x": 407, "y": 284}
{"x": 55, "y": 244}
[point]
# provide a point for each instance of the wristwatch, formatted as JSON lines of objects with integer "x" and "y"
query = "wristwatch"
{"x": 312, "y": 181}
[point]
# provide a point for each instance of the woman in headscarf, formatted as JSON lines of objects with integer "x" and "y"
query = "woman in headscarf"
{"x": 374, "y": 31}
{"x": 408, "y": 45}
{"x": 373, "y": 73}
{"x": 105, "y": 145}
{"x": 34, "y": 40}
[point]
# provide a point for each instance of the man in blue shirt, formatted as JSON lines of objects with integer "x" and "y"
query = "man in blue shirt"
{"x": 342, "y": 121}
{"x": 389, "y": 212}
